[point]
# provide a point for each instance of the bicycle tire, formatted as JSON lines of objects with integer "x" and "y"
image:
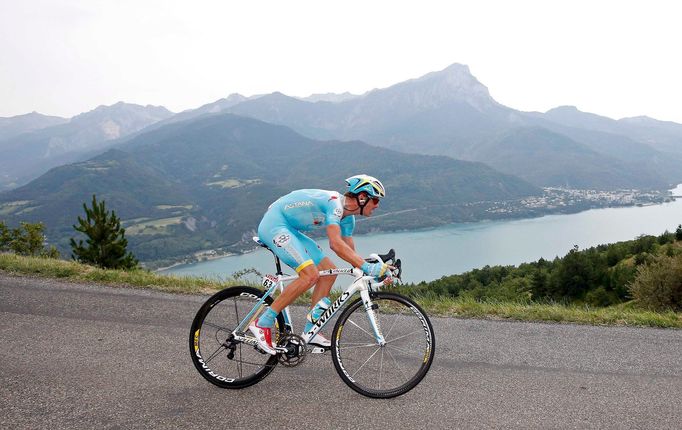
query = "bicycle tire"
{"x": 222, "y": 372}
{"x": 349, "y": 334}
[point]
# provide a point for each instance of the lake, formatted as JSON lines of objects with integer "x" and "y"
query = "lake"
{"x": 430, "y": 254}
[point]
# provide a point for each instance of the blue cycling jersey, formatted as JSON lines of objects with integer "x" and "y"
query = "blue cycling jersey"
{"x": 305, "y": 210}
{"x": 302, "y": 210}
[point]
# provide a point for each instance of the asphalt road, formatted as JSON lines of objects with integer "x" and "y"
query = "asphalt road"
{"x": 87, "y": 356}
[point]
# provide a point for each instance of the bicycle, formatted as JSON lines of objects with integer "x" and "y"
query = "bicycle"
{"x": 379, "y": 337}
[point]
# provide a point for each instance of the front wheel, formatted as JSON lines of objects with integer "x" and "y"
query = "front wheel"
{"x": 216, "y": 355}
{"x": 396, "y": 367}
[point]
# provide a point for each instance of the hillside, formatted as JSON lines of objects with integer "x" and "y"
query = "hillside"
{"x": 32, "y": 153}
{"x": 205, "y": 183}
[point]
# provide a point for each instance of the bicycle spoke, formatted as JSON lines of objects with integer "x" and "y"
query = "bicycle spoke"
{"x": 215, "y": 354}
{"x": 396, "y": 363}
{"x": 239, "y": 366}
{"x": 366, "y": 345}
{"x": 368, "y": 333}
{"x": 216, "y": 326}
{"x": 390, "y": 329}
{"x": 404, "y": 336}
{"x": 395, "y": 348}
{"x": 363, "y": 364}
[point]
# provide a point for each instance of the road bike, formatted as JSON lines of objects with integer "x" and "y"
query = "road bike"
{"x": 382, "y": 344}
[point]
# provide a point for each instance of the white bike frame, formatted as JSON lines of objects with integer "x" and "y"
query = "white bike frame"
{"x": 362, "y": 283}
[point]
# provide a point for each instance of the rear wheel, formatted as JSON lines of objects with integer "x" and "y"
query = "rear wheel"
{"x": 394, "y": 368}
{"x": 216, "y": 355}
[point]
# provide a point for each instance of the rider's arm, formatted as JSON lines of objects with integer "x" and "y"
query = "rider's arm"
{"x": 349, "y": 241}
{"x": 341, "y": 247}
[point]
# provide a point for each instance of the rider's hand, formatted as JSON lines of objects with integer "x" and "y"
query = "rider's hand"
{"x": 375, "y": 269}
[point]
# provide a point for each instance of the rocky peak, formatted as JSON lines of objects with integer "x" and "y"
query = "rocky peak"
{"x": 455, "y": 83}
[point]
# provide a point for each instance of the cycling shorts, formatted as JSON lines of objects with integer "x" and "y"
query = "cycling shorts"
{"x": 294, "y": 248}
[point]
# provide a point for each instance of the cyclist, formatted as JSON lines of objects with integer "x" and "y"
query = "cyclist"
{"x": 281, "y": 230}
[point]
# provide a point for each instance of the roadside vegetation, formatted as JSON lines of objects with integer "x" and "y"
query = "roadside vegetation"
{"x": 637, "y": 282}
{"x": 624, "y": 314}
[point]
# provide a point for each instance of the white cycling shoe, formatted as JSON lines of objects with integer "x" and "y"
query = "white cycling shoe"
{"x": 317, "y": 340}
{"x": 264, "y": 337}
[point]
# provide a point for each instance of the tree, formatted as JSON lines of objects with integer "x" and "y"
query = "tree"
{"x": 5, "y": 237}
{"x": 658, "y": 285}
{"x": 106, "y": 243}
{"x": 678, "y": 232}
{"x": 27, "y": 239}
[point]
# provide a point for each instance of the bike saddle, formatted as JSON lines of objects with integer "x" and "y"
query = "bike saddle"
{"x": 260, "y": 242}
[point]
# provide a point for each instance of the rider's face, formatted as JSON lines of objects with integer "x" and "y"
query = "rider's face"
{"x": 371, "y": 205}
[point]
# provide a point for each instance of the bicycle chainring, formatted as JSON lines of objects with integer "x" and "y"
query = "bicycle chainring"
{"x": 296, "y": 350}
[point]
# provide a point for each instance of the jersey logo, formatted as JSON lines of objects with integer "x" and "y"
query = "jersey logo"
{"x": 338, "y": 212}
{"x": 298, "y": 205}
{"x": 281, "y": 240}
{"x": 332, "y": 198}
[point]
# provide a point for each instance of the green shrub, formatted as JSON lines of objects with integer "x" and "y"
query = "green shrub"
{"x": 658, "y": 285}
{"x": 27, "y": 240}
{"x": 600, "y": 297}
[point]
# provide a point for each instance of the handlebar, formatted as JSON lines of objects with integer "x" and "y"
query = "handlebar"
{"x": 388, "y": 258}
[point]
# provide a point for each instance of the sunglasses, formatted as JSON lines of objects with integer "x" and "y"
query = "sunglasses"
{"x": 375, "y": 200}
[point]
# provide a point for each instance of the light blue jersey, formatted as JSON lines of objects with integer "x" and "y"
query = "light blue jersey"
{"x": 302, "y": 210}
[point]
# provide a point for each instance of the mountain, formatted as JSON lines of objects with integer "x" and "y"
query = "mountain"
{"x": 664, "y": 136}
{"x": 451, "y": 113}
{"x": 205, "y": 183}
{"x": 16, "y": 125}
{"x": 30, "y": 154}
{"x": 330, "y": 97}
{"x": 541, "y": 156}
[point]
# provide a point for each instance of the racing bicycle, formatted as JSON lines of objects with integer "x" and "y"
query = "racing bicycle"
{"x": 382, "y": 344}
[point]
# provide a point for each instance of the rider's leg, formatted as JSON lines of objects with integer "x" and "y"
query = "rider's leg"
{"x": 306, "y": 278}
{"x": 325, "y": 283}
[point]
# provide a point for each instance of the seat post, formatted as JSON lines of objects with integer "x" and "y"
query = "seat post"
{"x": 277, "y": 263}
{"x": 279, "y": 266}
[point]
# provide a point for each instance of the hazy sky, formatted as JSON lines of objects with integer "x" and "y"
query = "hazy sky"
{"x": 614, "y": 58}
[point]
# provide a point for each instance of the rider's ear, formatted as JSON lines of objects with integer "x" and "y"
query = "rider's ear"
{"x": 362, "y": 198}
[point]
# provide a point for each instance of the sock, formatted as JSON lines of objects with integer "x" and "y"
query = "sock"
{"x": 267, "y": 319}
{"x": 316, "y": 312}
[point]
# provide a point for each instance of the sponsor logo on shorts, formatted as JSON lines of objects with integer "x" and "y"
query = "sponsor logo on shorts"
{"x": 338, "y": 212}
{"x": 282, "y": 240}
{"x": 298, "y": 205}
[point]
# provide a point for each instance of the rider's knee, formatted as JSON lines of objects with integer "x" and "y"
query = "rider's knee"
{"x": 309, "y": 274}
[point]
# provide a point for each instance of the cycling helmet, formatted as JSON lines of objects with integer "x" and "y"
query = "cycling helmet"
{"x": 371, "y": 185}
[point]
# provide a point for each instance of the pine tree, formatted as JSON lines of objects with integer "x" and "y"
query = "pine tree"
{"x": 106, "y": 243}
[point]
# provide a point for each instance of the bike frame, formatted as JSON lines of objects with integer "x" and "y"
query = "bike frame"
{"x": 362, "y": 284}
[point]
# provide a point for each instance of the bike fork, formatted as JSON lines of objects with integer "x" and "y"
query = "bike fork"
{"x": 370, "y": 307}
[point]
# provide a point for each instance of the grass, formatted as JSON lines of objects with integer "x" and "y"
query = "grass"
{"x": 140, "y": 278}
{"x": 626, "y": 314}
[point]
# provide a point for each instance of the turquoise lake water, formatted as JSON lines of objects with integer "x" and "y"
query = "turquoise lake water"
{"x": 430, "y": 254}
